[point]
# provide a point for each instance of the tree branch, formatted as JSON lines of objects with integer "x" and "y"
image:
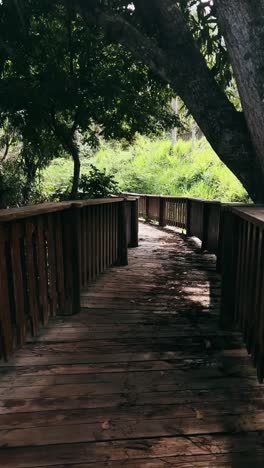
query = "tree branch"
{"x": 175, "y": 57}
{"x": 4, "y": 156}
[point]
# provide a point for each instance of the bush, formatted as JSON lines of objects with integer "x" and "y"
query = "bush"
{"x": 97, "y": 184}
{"x": 93, "y": 184}
{"x": 11, "y": 185}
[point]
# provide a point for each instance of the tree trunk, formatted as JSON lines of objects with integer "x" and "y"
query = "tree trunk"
{"x": 76, "y": 173}
{"x": 30, "y": 172}
{"x": 242, "y": 25}
{"x": 6, "y": 150}
{"x": 174, "y": 56}
{"x": 67, "y": 139}
{"x": 72, "y": 147}
{"x": 188, "y": 74}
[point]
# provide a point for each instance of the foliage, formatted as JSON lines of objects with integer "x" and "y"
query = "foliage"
{"x": 155, "y": 166}
{"x": 202, "y": 21}
{"x": 8, "y": 139}
{"x": 93, "y": 184}
{"x": 97, "y": 184}
{"x": 12, "y": 186}
{"x": 200, "y": 17}
{"x": 62, "y": 83}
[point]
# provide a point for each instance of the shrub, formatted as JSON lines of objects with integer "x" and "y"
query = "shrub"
{"x": 11, "y": 185}
{"x": 97, "y": 184}
{"x": 94, "y": 184}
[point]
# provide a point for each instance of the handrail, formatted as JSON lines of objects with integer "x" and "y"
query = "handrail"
{"x": 137, "y": 195}
{"x": 11, "y": 214}
{"x": 243, "y": 278}
{"x": 49, "y": 252}
{"x": 252, "y": 214}
{"x": 199, "y": 217}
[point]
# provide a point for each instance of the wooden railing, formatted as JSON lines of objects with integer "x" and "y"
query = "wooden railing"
{"x": 235, "y": 233}
{"x": 200, "y": 218}
{"x": 167, "y": 211}
{"x": 49, "y": 252}
{"x": 243, "y": 278}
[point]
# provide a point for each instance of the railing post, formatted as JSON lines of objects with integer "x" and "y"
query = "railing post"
{"x": 162, "y": 222}
{"x": 6, "y": 326}
{"x": 205, "y": 225}
{"x": 188, "y": 217}
{"x": 211, "y": 221}
{"x": 122, "y": 235}
{"x": 229, "y": 266}
{"x": 72, "y": 256}
{"x": 147, "y": 208}
{"x": 134, "y": 223}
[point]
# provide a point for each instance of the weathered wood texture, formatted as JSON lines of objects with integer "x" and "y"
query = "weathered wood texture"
{"x": 49, "y": 252}
{"x": 235, "y": 233}
{"x": 167, "y": 211}
{"x": 243, "y": 278}
{"x": 142, "y": 377}
{"x": 199, "y": 218}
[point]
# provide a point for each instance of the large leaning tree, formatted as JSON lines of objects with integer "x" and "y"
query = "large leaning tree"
{"x": 193, "y": 45}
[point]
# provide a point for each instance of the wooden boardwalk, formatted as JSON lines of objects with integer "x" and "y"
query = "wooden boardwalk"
{"x": 143, "y": 377}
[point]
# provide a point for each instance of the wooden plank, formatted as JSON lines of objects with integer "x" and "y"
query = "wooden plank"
{"x": 52, "y": 270}
{"x": 113, "y": 429}
{"x": 32, "y": 291}
{"x": 191, "y": 415}
{"x": 12, "y": 214}
{"x": 72, "y": 260}
{"x": 6, "y": 325}
{"x": 60, "y": 262}
{"x": 179, "y": 376}
{"x": 195, "y": 399}
{"x": 89, "y": 244}
{"x": 200, "y": 461}
{"x": 111, "y": 232}
{"x": 123, "y": 450}
{"x": 141, "y": 377}
{"x": 80, "y": 340}
{"x": 61, "y": 358}
{"x": 101, "y": 237}
{"x": 93, "y": 235}
{"x": 19, "y": 281}
{"x": 42, "y": 271}
{"x": 84, "y": 247}
{"x": 146, "y": 386}
{"x": 96, "y": 240}
{"x": 234, "y": 365}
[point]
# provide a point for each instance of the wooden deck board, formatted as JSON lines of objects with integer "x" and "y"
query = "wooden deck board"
{"x": 142, "y": 377}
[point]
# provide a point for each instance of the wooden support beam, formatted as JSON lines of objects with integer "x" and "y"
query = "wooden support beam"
{"x": 122, "y": 235}
{"x": 134, "y": 223}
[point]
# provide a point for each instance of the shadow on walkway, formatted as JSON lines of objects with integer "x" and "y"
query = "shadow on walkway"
{"x": 142, "y": 377}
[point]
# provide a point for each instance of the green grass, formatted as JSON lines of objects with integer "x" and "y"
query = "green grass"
{"x": 154, "y": 166}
